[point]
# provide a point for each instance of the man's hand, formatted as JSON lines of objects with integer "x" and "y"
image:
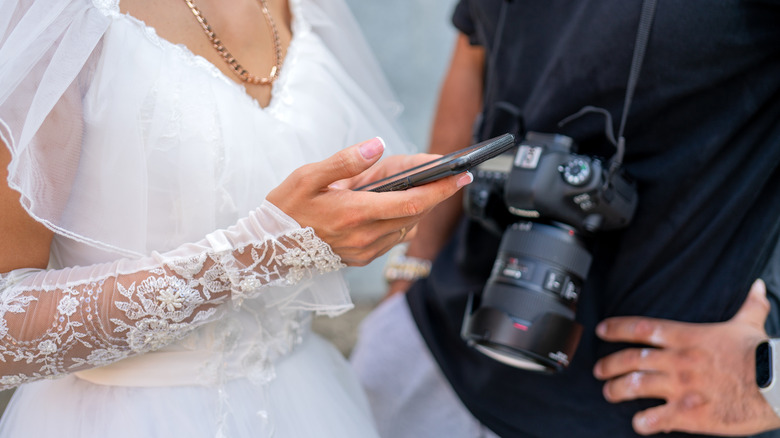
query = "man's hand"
{"x": 704, "y": 372}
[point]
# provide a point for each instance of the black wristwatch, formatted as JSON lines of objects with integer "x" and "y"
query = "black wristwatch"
{"x": 767, "y": 369}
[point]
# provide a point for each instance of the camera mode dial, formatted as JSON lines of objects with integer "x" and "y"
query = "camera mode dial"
{"x": 576, "y": 172}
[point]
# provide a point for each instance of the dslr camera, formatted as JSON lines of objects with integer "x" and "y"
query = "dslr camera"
{"x": 547, "y": 204}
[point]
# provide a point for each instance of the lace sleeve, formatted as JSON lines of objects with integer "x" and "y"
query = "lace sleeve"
{"x": 60, "y": 321}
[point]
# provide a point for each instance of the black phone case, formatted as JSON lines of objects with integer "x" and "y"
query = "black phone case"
{"x": 450, "y": 164}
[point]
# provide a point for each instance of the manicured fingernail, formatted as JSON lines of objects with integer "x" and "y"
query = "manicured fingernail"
{"x": 338, "y": 185}
{"x": 372, "y": 148}
{"x": 601, "y": 329}
{"x": 466, "y": 179}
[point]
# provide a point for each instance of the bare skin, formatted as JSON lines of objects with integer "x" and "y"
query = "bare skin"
{"x": 241, "y": 27}
{"x": 26, "y": 241}
{"x": 704, "y": 372}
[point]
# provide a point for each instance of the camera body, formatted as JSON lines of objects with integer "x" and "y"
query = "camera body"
{"x": 548, "y": 204}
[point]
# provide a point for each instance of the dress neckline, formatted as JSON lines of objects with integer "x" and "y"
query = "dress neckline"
{"x": 279, "y": 88}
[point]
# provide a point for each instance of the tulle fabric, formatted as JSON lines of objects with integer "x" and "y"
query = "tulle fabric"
{"x": 185, "y": 156}
{"x": 59, "y": 321}
{"x": 126, "y": 145}
{"x": 298, "y": 403}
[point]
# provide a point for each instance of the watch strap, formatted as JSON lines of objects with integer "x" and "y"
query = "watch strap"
{"x": 771, "y": 387}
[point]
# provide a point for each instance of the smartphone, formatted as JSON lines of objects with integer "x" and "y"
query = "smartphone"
{"x": 450, "y": 164}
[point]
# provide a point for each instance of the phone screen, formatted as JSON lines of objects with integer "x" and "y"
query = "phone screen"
{"x": 450, "y": 164}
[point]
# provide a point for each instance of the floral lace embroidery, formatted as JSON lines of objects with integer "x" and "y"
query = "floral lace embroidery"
{"x": 148, "y": 309}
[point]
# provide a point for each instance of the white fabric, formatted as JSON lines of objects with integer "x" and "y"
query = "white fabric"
{"x": 408, "y": 394}
{"x": 299, "y": 402}
{"x": 59, "y": 321}
{"x": 129, "y": 147}
{"x": 194, "y": 149}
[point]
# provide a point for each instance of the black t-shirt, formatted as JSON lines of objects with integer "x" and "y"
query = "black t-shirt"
{"x": 702, "y": 143}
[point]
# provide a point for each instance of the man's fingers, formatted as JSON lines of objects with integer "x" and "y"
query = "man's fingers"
{"x": 639, "y": 330}
{"x": 654, "y": 420}
{"x": 682, "y": 415}
{"x": 628, "y": 360}
{"x": 755, "y": 309}
{"x": 638, "y": 385}
{"x": 659, "y": 332}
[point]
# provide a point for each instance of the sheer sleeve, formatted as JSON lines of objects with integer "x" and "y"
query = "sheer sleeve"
{"x": 60, "y": 321}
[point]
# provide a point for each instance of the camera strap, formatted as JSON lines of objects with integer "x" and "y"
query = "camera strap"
{"x": 640, "y": 45}
{"x": 642, "y": 36}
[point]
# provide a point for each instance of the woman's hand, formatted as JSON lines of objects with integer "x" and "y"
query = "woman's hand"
{"x": 389, "y": 166}
{"x": 359, "y": 225}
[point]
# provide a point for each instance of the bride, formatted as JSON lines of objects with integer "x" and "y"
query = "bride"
{"x": 137, "y": 295}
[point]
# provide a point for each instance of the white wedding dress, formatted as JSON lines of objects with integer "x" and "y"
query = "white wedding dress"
{"x": 177, "y": 302}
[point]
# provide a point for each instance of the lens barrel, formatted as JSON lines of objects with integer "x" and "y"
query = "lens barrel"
{"x": 526, "y": 314}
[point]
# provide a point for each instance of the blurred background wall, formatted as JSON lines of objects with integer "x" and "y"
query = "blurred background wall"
{"x": 413, "y": 41}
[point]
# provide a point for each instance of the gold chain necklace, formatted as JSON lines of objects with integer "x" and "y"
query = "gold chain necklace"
{"x": 228, "y": 57}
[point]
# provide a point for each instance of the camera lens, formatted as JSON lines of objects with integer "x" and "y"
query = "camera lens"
{"x": 526, "y": 317}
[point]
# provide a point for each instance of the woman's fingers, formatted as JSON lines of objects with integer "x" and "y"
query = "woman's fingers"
{"x": 359, "y": 246}
{"x": 358, "y": 225}
{"x": 344, "y": 164}
{"x": 389, "y": 166}
{"x": 382, "y": 220}
{"x": 416, "y": 200}
{"x": 361, "y": 256}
